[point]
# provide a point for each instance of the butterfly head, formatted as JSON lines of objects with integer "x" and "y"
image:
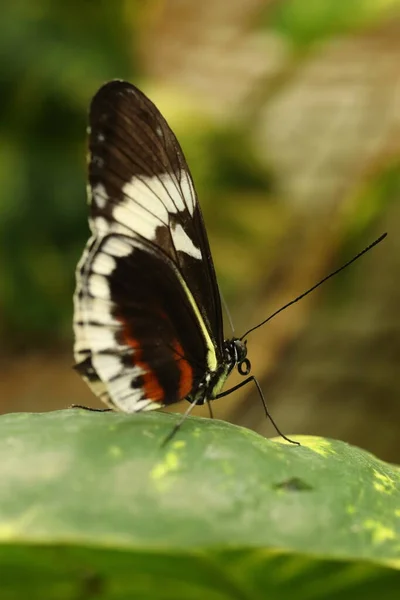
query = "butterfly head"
{"x": 237, "y": 352}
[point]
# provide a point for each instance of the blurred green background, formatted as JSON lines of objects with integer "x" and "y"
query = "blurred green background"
{"x": 288, "y": 111}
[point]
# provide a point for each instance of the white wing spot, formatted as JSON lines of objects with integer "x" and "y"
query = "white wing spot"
{"x": 100, "y": 195}
{"x": 98, "y": 310}
{"x": 108, "y": 365}
{"x": 100, "y": 337}
{"x": 188, "y": 191}
{"x": 98, "y": 287}
{"x": 137, "y": 219}
{"x": 103, "y": 264}
{"x": 100, "y": 226}
{"x": 183, "y": 243}
{"x": 115, "y": 246}
{"x": 156, "y": 197}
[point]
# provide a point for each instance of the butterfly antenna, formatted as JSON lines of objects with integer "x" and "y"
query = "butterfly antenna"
{"x": 314, "y": 287}
{"x": 269, "y": 416}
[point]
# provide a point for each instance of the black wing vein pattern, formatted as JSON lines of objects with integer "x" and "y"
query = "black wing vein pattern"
{"x": 148, "y": 318}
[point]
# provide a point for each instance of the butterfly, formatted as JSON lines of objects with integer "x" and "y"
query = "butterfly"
{"x": 147, "y": 309}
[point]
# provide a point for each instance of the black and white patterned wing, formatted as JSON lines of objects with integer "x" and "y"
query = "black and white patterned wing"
{"x": 148, "y": 322}
{"x": 140, "y": 182}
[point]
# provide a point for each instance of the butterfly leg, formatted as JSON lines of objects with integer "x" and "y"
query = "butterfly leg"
{"x": 90, "y": 409}
{"x": 268, "y": 414}
{"x": 183, "y": 418}
{"x": 210, "y": 410}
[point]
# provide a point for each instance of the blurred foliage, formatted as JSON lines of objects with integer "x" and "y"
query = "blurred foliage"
{"x": 53, "y": 57}
{"x": 305, "y": 22}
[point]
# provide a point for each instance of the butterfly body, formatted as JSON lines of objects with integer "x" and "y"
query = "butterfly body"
{"x": 147, "y": 311}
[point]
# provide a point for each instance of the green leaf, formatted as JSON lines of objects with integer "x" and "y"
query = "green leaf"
{"x": 92, "y": 505}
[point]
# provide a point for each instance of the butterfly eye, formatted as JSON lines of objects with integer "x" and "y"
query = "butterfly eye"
{"x": 244, "y": 367}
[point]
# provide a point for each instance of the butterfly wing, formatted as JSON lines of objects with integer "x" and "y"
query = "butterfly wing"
{"x": 148, "y": 321}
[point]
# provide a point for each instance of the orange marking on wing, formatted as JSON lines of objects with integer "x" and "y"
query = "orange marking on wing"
{"x": 186, "y": 371}
{"x": 152, "y": 389}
